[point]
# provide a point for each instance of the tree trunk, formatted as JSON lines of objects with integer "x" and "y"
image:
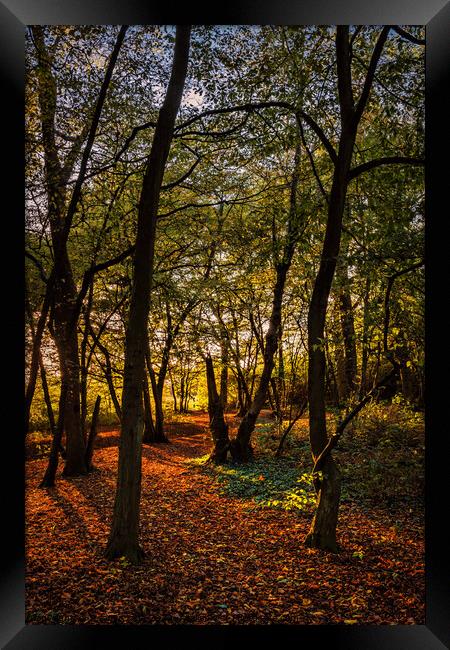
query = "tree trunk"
{"x": 347, "y": 323}
{"x": 107, "y": 371}
{"x": 159, "y": 433}
{"x": 66, "y": 340}
{"x": 149, "y": 428}
{"x": 174, "y": 394}
{"x": 276, "y": 399}
{"x": 322, "y": 533}
{"x": 365, "y": 341}
{"x": 240, "y": 448}
{"x": 85, "y": 361}
{"x": 324, "y": 522}
{"x": 61, "y": 286}
{"x": 50, "y": 474}
{"x": 224, "y": 373}
{"x": 124, "y": 535}
{"x": 35, "y": 354}
{"x": 92, "y": 435}
{"x": 242, "y": 398}
{"x": 326, "y": 514}
{"x": 217, "y": 425}
{"x": 331, "y": 388}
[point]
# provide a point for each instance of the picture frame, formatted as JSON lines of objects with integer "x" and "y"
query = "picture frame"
{"x": 435, "y": 634}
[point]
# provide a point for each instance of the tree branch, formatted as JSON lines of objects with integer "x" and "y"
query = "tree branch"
{"x": 251, "y": 107}
{"x": 408, "y": 36}
{"x": 38, "y": 265}
{"x": 370, "y": 73}
{"x": 169, "y": 186}
{"x": 388, "y": 160}
{"x": 92, "y": 131}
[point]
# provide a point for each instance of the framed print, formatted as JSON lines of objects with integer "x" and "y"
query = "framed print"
{"x": 233, "y": 338}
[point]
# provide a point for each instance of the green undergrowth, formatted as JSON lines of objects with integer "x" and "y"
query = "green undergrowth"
{"x": 266, "y": 482}
{"x": 380, "y": 456}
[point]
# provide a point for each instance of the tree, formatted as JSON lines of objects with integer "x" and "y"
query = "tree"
{"x": 61, "y": 293}
{"x": 217, "y": 425}
{"x": 123, "y": 539}
{"x": 322, "y": 533}
{"x": 240, "y": 447}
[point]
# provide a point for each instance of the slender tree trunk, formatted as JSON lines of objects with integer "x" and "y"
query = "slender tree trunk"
{"x": 84, "y": 365}
{"x": 276, "y": 399}
{"x": 240, "y": 447}
{"x": 332, "y": 381}
{"x": 174, "y": 394}
{"x": 224, "y": 373}
{"x": 149, "y": 428}
{"x": 159, "y": 433}
{"x": 365, "y": 341}
{"x": 92, "y": 435}
{"x": 281, "y": 373}
{"x": 66, "y": 340}
{"x": 217, "y": 425}
{"x": 35, "y": 354}
{"x": 47, "y": 399}
{"x": 124, "y": 535}
{"x": 347, "y": 322}
{"x": 107, "y": 371}
{"x": 289, "y": 427}
{"x": 50, "y": 474}
{"x": 240, "y": 399}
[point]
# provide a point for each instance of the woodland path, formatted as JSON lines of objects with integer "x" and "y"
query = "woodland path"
{"x": 210, "y": 559}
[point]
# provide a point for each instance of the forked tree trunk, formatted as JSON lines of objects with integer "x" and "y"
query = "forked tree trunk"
{"x": 322, "y": 533}
{"x": 124, "y": 536}
{"x": 60, "y": 285}
{"x": 323, "y": 529}
{"x": 217, "y": 424}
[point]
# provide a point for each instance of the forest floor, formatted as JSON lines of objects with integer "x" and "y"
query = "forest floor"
{"x": 222, "y": 546}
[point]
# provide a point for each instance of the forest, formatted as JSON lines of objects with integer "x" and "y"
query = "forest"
{"x": 224, "y": 344}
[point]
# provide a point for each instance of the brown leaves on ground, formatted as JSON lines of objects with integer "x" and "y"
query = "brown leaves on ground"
{"x": 209, "y": 559}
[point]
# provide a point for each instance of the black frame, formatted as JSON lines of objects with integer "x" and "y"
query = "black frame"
{"x": 435, "y": 14}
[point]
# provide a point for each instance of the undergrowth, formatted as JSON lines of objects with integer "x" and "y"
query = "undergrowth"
{"x": 380, "y": 456}
{"x": 267, "y": 482}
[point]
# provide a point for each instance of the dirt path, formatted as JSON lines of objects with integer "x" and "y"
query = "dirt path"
{"x": 209, "y": 559}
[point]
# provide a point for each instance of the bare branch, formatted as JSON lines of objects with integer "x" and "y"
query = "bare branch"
{"x": 370, "y": 73}
{"x": 408, "y": 36}
{"x": 388, "y": 160}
